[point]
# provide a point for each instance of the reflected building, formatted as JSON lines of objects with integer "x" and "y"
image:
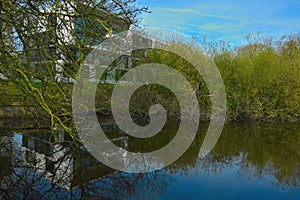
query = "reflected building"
{"x": 53, "y": 158}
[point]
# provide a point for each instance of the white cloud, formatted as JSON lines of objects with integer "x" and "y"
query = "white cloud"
{"x": 194, "y": 12}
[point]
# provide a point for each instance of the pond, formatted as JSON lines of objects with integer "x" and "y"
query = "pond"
{"x": 250, "y": 161}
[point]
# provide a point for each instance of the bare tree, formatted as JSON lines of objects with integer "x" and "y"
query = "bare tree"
{"x": 44, "y": 43}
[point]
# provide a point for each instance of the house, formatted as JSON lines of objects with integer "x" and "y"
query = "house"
{"x": 137, "y": 45}
{"x": 57, "y": 38}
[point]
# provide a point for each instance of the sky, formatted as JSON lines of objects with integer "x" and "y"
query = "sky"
{"x": 229, "y": 20}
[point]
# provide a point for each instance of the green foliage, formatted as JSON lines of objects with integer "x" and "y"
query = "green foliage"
{"x": 183, "y": 67}
{"x": 262, "y": 81}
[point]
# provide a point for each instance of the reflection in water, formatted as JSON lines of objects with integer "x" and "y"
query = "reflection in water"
{"x": 249, "y": 161}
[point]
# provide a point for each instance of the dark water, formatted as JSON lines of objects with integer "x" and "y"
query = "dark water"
{"x": 250, "y": 161}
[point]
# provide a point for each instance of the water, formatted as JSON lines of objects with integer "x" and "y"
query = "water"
{"x": 250, "y": 161}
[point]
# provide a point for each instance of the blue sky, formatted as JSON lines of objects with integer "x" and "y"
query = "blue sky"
{"x": 224, "y": 19}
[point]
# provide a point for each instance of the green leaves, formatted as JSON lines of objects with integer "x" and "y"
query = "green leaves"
{"x": 262, "y": 82}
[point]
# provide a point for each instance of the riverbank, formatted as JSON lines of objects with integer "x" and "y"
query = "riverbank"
{"x": 262, "y": 82}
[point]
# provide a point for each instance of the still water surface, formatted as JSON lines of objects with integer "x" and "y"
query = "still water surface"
{"x": 250, "y": 161}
